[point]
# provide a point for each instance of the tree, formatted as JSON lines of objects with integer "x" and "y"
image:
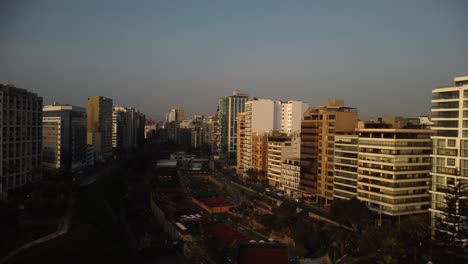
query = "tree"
{"x": 9, "y": 214}
{"x": 353, "y": 213}
{"x": 452, "y": 224}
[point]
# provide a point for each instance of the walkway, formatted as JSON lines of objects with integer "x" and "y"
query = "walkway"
{"x": 62, "y": 229}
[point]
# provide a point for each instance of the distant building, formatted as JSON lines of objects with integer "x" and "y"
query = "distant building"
{"x": 175, "y": 115}
{"x": 99, "y": 125}
{"x": 228, "y": 109}
{"x": 240, "y": 141}
{"x": 318, "y": 130}
{"x": 291, "y": 176}
{"x": 125, "y": 128}
{"x": 63, "y": 137}
{"x": 20, "y": 138}
{"x": 280, "y": 148}
{"x": 449, "y": 155}
{"x": 259, "y": 117}
{"x": 150, "y": 130}
{"x": 264, "y": 115}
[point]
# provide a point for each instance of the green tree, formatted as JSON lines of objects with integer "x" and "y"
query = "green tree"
{"x": 353, "y": 213}
{"x": 452, "y": 224}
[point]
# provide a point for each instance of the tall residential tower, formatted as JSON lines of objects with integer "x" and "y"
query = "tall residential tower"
{"x": 450, "y": 154}
{"x": 99, "y": 125}
{"x": 20, "y": 137}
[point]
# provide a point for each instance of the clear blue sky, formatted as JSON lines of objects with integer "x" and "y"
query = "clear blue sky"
{"x": 383, "y": 57}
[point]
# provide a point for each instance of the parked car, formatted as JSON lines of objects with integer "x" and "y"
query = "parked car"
{"x": 268, "y": 189}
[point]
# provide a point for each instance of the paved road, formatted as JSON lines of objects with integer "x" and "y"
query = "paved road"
{"x": 62, "y": 229}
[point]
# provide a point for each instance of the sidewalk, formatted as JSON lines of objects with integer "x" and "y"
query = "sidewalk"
{"x": 62, "y": 229}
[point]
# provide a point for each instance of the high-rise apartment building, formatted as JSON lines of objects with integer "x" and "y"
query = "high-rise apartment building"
{"x": 228, "y": 109}
{"x": 259, "y": 117}
{"x": 125, "y": 128}
{"x": 63, "y": 137}
{"x": 318, "y": 130}
{"x": 20, "y": 137}
{"x": 386, "y": 166}
{"x": 175, "y": 115}
{"x": 240, "y": 141}
{"x": 264, "y": 115}
{"x": 288, "y": 116}
{"x": 280, "y": 148}
{"x": 99, "y": 125}
{"x": 259, "y": 153}
{"x": 291, "y": 176}
{"x": 346, "y": 166}
{"x": 450, "y": 153}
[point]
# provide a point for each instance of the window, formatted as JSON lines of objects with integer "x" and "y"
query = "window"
{"x": 451, "y": 143}
{"x": 450, "y": 162}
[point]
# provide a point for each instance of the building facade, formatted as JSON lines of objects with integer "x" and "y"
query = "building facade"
{"x": 291, "y": 176}
{"x": 280, "y": 148}
{"x": 228, "y": 109}
{"x": 259, "y": 117}
{"x": 240, "y": 141}
{"x": 20, "y": 138}
{"x": 175, "y": 115}
{"x": 346, "y": 166}
{"x": 386, "y": 166}
{"x": 125, "y": 128}
{"x": 63, "y": 137}
{"x": 99, "y": 125}
{"x": 450, "y": 151}
{"x": 318, "y": 130}
{"x": 288, "y": 116}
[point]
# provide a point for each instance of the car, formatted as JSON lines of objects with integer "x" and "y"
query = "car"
{"x": 268, "y": 189}
{"x": 280, "y": 194}
{"x": 297, "y": 200}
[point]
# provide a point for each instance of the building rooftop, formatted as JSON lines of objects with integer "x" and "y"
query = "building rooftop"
{"x": 226, "y": 234}
{"x": 263, "y": 252}
{"x": 167, "y": 163}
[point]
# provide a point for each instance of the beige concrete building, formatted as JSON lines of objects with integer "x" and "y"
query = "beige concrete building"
{"x": 450, "y": 148}
{"x": 259, "y": 153}
{"x": 280, "y": 148}
{"x": 386, "y": 166}
{"x": 20, "y": 138}
{"x": 99, "y": 125}
{"x": 318, "y": 129}
{"x": 240, "y": 141}
{"x": 346, "y": 166}
{"x": 291, "y": 176}
{"x": 175, "y": 115}
{"x": 393, "y": 169}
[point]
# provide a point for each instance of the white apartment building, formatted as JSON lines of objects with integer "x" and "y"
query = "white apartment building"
{"x": 20, "y": 138}
{"x": 265, "y": 115}
{"x": 288, "y": 116}
{"x": 291, "y": 176}
{"x": 64, "y": 137}
{"x": 228, "y": 109}
{"x": 280, "y": 148}
{"x": 259, "y": 117}
{"x": 450, "y": 146}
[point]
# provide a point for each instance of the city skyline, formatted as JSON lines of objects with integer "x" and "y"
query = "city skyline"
{"x": 162, "y": 55}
